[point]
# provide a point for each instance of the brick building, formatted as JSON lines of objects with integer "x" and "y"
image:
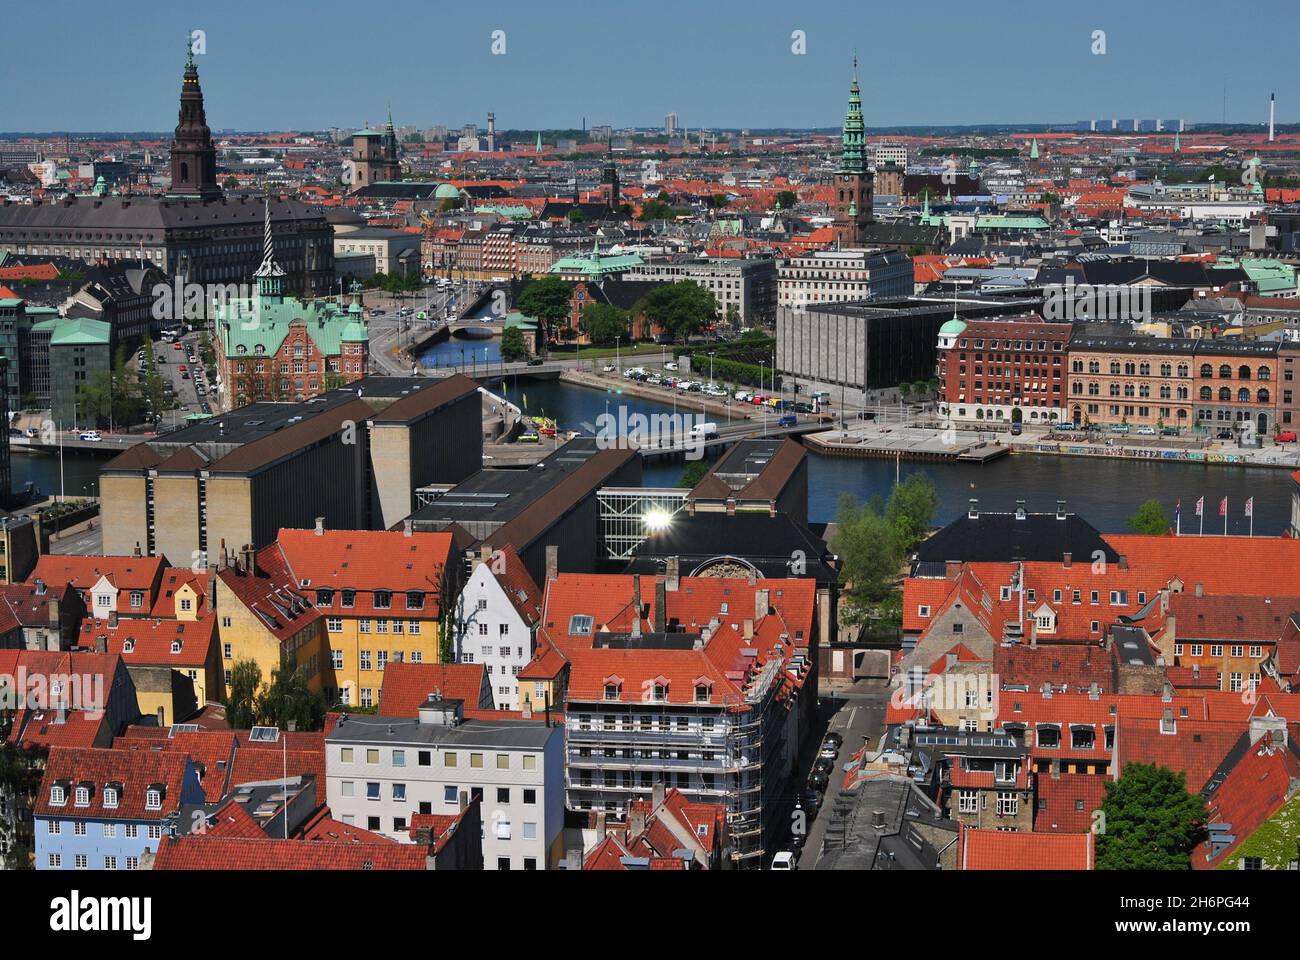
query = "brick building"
{"x": 987, "y": 369}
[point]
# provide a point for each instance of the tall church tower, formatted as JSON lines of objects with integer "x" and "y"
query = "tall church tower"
{"x": 853, "y": 179}
{"x": 609, "y": 180}
{"x": 194, "y": 158}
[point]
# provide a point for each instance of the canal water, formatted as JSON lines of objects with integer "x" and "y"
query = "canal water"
{"x": 1105, "y": 491}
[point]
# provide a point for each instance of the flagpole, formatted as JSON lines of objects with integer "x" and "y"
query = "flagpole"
{"x": 1225, "y": 516}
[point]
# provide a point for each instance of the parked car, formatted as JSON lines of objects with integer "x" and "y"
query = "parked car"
{"x": 1224, "y": 435}
{"x": 833, "y": 737}
{"x": 31, "y": 432}
{"x": 824, "y": 765}
{"x": 817, "y": 781}
{"x": 830, "y": 751}
{"x": 1146, "y": 431}
{"x": 609, "y": 368}
{"x": 789, "y": 420}
{"x": 784, "y": 861}
{"x": 535, "y": 361}
{"x": 811, "y": 801}
{"x": 1286, "y": 436}
{"x": 670, "y": 366}
{"x": 1015, "y": 430}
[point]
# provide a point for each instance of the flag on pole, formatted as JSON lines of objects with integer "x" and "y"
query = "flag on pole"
{"x": 1200, "y": 507}
{"x": 1178, "y": 516}
{"x": 1223, "y": 507}
{"x": 1250, "y": 506}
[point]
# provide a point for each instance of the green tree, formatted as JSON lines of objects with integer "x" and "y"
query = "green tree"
{"x": 241, "y": 707}
{"x": 603, "y": 322}
{"x": 681, "y": 308}
{"x": 786, "y": 199}
{"x": 911, "y": 510}
{"x": 1150, "y": 519}
{"x": 546, "y": 301}
{"x": 656, "y": 210}
{"x": 1149, "y": 821}
{"x": 694, "y": 473}
{"x": 287, "y": 700}
{"x": 868, "y": 549}
{"x": 576, "y": 215}
{"x": 513, "y": 345}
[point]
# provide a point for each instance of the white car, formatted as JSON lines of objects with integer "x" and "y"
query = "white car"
{"x": 92, "y": 435}
{"x": 609, "y": 368}
{"x": 670, "y": 366}
{"x": 784, "y": 861}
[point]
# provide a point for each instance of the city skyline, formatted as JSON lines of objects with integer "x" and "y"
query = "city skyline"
{"x": 297, "y": 73}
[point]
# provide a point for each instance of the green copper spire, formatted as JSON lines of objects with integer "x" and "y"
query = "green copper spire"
{"x": 1178, "y": 142}
{"x": 189, "y": 50}
{"x": 1033, "y": 149}
{"x": 853, "y": 156}
{"x": 539, "y": 141}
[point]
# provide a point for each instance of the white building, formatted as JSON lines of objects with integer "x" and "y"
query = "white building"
{"x": 748, "y": 286}
{"x": 843, "y": 276}
{"x": 496, "y": 623}
{"x": 886, "y": 153}
{"x": 380, "y": 771}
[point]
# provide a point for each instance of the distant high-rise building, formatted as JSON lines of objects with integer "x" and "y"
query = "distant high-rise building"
{"x": 492, "y": 132}
{"x": 670, "y": 125}
{"x": 853, "y": 184}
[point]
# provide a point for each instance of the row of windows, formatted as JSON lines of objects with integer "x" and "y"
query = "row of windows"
{"x": 79, "y": 829}
{"x": 424, "y": 758}
{"x": 82, "y": 862}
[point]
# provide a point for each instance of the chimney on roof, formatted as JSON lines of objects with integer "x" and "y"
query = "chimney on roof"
{"x": 1200, "y": 590}
{"x": 1094, "y": 691}
{"x": 136, "y": 551}
{"x": 1123, "y": 561}
{"x": 1167, "y": 692}
{"x": 1047, "y": 690}
{"x": 527, "y": 710}
{"x": 54, "y": 611}
{"x": 212, "y": 588}
{"x": 601, "y": 825}
{"x": 761, "y": 604}
{"x": 250, "y": 560}
{"x": 101, "y": 644}
{"x": 636, "y": 595}
{"x": 635, "y": 823}
{"x": 320, "y": 526}
{"x": 673, "y": 572}
{"x": 661, "y": 604}
{"x": 573, "y": 860}
{"x": 40, "y": 587}
{"x": 424, "y": 836}
{"x": 112, "y": 619}
{"x": 1167, "y": 722}
{"x": 1020, "y": 510}
{"x": 552, "y": 561}
{"x": 1060, "y": 509}
{"x": 878, "y": 819}
{"x": 223, "y": 558}
{"x": 974, "y": 512}
{"x": 408, "y": 527}
{"x": 657, "y": 793}
{"x": 749, "y": 629}
{"x": 462, "y": 800}
{"x": 162, "y": 715}
{"x": 484, "y": 553}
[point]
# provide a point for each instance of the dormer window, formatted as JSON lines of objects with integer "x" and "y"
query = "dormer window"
{"x": 701, "y": 693}
{"x": 58, "y": 795}
{"x": 414, "y": 600}
{"x": 176, "y": 646}
{"x": 348, "y": 599}
{"x": 383, "y": 599}
{"x": 83, "y": 796}
{"x": 111, "y": 795}
{"x": 324, "y": 598}
{"x": 103, "y": 601}
{"x": 153, "y": 798}
{"x": 580, "y": 625}
{"x": 660, "y": 690}
{"x": 187, "y": 604}
{"x": 128, "y": 646}
{"x": 137, "y": 599}
{"x": 611, "y": 691}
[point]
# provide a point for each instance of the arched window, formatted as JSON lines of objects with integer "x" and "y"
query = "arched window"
{"x": 1262, "y": 396}
{"x": 1225, "y": 394}
{"x": 1207, "y": 371}
{"x": 1243, "y": 395}
{"x": 1206, "y": 393}
{"x": 1263, "y": 373}
{"x": 1243, "y": 372}
{"x": 1183, "y": 369}
{"x": 1225, "y": 372}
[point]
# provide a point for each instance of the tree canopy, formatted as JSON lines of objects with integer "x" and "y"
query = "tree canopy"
{"x": 1149, "y": 821}
{"x": 1150, "y": 519}
{"x": 681, "y": 309}
{"x": 603, "y": 322}
{"x": 513, "y": 345}
{"x": 546, "y": 301}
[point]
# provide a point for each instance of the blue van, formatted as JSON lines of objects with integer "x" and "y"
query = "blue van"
{"x": 789, "y": 420}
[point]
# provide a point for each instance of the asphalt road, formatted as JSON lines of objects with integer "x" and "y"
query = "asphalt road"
{"x": 855, "y": 714}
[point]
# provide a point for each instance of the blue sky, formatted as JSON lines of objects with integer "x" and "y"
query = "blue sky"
{"x": 285, "y": 64}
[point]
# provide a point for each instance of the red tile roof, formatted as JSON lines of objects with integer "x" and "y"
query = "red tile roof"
{"x": 366, "y": 561}
{"x": 408, "y": 685}
{"x": 132, "y": 772}
{"x": 1008, "y": 850}
{"x": 1067, "y": 802}
{"x": 198, "y": 852}
{"x": 1253, "y": 791}
{"x": 272, "y": 594}
{"x": 172, "y": 643}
